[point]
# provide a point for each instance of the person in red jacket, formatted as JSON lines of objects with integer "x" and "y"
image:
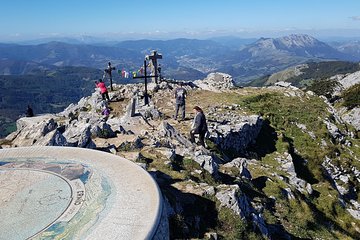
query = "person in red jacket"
{"x": 103, "y": 89}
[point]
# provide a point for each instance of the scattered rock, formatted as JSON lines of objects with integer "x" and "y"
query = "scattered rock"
{"x": 166, "y": 130}
{"x": 283, "y": 84}
{"x": 241, "y": 165}
{"x": 102, "y": 130}
{"x": 168, "y": 153}
{"x": 238, "y": 136}
{"x": 231, "y": 197}
{"x": 352, "y": 117}
{"x": 211, "y": 236}
{"x": 216, "y": 82}
{"x": 207, "y": 162}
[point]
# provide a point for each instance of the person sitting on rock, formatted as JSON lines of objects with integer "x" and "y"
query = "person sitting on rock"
{"x": 180, "y": 96}
{"x": 199, "y": 126}
{"x": 103, "y": 90}
{"x": 29, "y": 112}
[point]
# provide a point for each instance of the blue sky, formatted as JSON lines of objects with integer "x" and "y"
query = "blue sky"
{"x": 21, "y": 19}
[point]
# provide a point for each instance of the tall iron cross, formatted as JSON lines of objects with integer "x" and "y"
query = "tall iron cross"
{"x": 145, "y": 77}
{"x": 154, "y": 57}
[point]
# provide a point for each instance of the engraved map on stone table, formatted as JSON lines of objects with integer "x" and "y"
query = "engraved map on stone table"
{"x": 48, "y": 198}
{"x": 37, "y": 198}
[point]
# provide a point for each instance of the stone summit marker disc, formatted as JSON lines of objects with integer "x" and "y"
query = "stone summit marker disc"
{"x": 31, "y": 201}
{"x": 72, "y": 193}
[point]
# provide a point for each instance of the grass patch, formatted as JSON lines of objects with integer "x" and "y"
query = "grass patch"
{"x": 231, "y": 226}
{"x": 352, "y": 97}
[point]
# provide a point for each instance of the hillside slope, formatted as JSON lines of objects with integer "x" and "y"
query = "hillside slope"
{"x": 187, "y": 59}
{"x": 279, "y": 164}
{"x": 46, "y": 90}
{"x": 305, "y": 74}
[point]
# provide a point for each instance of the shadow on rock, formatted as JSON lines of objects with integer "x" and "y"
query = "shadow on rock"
{"x": 265, "y": 142}
{"x": 190, "y": 215}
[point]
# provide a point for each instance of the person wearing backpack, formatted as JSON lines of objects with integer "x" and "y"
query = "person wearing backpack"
{"x": 180, "y": 96}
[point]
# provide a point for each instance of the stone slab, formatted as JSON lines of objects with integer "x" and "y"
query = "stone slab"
{"x": 74, "y": 193}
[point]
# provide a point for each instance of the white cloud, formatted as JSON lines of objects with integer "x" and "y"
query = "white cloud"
{"x": 355, "y": 18}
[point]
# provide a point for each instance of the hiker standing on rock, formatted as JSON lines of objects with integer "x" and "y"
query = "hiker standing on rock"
{"x": 103, "y": 89}
{"x": 199, "y": 126}
{"x": 180, "y": 96}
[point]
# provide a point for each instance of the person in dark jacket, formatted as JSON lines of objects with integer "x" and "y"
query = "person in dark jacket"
{"x": 199, "y": 126}
{"x": 180, "y": 96}
{"x": 29, "y": 112}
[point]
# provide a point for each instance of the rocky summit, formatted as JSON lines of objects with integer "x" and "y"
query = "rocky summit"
{"x": 279, "y": 163}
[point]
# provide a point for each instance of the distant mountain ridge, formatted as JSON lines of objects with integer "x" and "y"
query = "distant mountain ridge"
{"x": 349, "y": 47}
{"x": 305, "y": 74}
{"x": 270, "y": 55}
{"x": 187, "y": 59}
{"x": 302, "y": 46}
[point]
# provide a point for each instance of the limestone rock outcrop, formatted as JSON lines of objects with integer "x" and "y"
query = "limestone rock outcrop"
{"x": 216, "y": 82}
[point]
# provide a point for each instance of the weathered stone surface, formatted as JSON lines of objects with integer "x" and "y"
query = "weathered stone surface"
{"x": 190, "y": 186}
{"x": 334, "y": 131}
{"x": 352, "y": 117}
{"x": 216, "y": 82}
{"x": 150, "y": 112}
{"x": 350, "y": 80}
{"x": 341, "y": 177}
{"x": 288, "y": 193}
{"x": 79, "y": 135}
{"x": 355, "y": 209}
{"x": 238, "y": 136}
{"x": 134, "y": 145}
{"x": 53, "y": 138}
{"x": 283, "y": 84}
{"x": 211, "y": 236}
{"x": 102, "y": 130}
{"x": 84, "y": 140}
{"x": 288, "y": 166}
{"x": 48, "y": 126}
{"x": 241, "y": 165}
{"x": 168, "y": 153}
{"x": 39, "y": 130}
{"x": 166, "y": 130}
{"x": 231, "y": 197}
{"x": 206, "y": 162}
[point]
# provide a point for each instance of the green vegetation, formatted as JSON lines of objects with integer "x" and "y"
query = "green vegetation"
{"x": 323, "y": 70}
{"x": 7, "y": 126}
{"x": 309, "y": 215}
{"x": 316, "y": 71}
{"x": 325, "y": 87}
{"x": 258, "y": 82}
{"x": 352, "y": 96}
{"x": 230, "y": 226}
{"x": 47, "y": 91}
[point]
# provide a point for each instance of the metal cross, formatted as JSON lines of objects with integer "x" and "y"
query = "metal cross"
{"x": 153, "y": 58}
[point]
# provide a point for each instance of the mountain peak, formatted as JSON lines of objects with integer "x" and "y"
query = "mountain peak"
{"x": 299, "y": 40}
